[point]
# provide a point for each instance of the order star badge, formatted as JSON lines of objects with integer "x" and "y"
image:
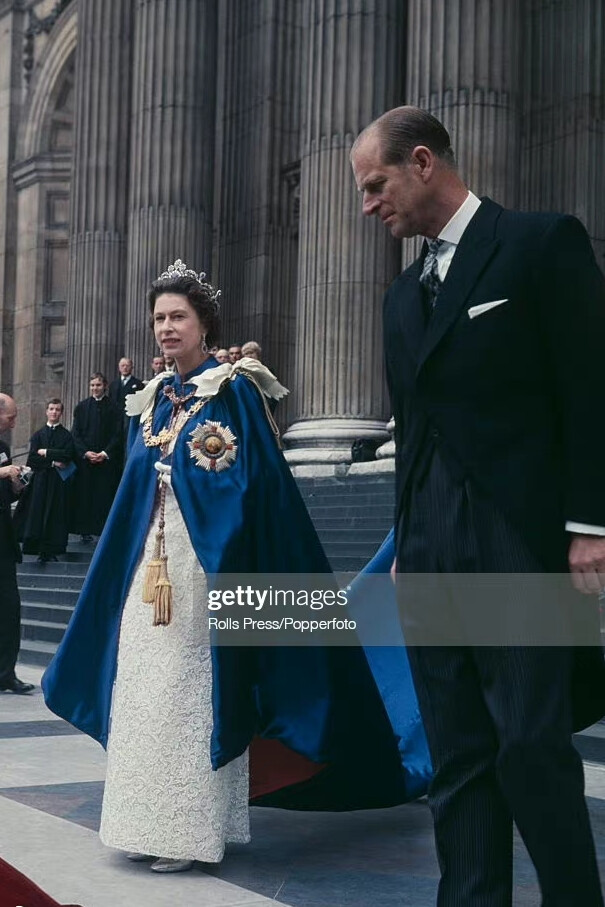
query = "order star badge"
{"x": 212, "y": 446}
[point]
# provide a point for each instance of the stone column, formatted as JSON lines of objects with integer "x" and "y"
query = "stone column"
{"x": 172, "y": 151}
{"x": 256, "y": 210}
{"x": 564, "y": 116}
{"x": 96, "y": 288}
{"x": 354, "y": 67}
{"x": 464, "y": 66}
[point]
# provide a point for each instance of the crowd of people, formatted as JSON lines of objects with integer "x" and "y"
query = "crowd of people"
{"x": 492, "y": 346}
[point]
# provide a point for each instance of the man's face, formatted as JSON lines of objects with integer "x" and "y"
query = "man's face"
{"x": 8, "y": 416}
{"x": 222, "y": 355}
{"x": 235, "y": 353}
{"x": 157, "y": 365}
{"x": 393, "y": 192}
{"x": 97, "y": 388}
{"x": 125, "y": 367}
{"x": 54, "y": 411}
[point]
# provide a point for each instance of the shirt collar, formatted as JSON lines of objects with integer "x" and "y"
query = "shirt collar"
{"x": 48, "y": 425}
{"x": 457, "y": 224}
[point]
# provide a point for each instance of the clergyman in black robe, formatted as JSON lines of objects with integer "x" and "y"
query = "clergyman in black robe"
{"x": 42, "y": 514}
{"x": 97, "y": 434}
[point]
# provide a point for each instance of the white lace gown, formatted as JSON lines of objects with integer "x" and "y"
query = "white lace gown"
{"x": 161, "y": 795}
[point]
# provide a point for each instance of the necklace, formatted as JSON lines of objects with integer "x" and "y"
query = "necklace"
{"x": 166, "y": 435}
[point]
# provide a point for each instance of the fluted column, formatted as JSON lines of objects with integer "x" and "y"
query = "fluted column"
{"x": 257, "y": 213}
{"x": 95, "y": 300}
{"x": 172, "y": 150}
{"x": 354, "y": 66}
{"x": 564, "y": 117}
{"x": 464, "y": 66}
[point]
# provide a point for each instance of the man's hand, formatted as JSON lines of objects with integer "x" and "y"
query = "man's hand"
{"x": 587, "y": 563}
{"x": 42, "y": 452}
{"x": 93, "y": 457}
{"x": 394, "y": 572}
{"x": 9, "y": 472}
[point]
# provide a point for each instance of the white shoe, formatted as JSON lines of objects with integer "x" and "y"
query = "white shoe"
{"x": 165, "y": 864}
{"x": 140, "y": 857}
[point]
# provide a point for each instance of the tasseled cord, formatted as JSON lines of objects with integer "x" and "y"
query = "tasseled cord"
{"x": 157, "y": 588}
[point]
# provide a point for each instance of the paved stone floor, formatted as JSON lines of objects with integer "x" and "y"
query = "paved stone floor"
{"x": 51, "y": 783}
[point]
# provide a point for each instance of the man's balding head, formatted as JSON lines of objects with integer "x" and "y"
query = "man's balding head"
{"x": 8, "y": 412}
{"x": 400, "y": 130}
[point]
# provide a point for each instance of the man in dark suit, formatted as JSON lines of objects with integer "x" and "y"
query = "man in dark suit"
{"x": 493, "y": 340}
{"x": 126, "y": 384}
{"x": 10, "y": 555}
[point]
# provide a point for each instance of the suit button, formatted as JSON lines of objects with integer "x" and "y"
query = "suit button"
{"x": 435, "y": 433}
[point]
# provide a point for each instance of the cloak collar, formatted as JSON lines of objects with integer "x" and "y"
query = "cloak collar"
{"x": 208, "y": 381}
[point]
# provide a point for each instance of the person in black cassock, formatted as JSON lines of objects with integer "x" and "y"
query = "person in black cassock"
{"x": 10, "y": 555}
{"x": 97, "y": 435}
{"x": 42, "y": 515}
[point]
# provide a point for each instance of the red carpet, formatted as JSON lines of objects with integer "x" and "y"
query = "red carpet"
{"x": 17, "y": 891}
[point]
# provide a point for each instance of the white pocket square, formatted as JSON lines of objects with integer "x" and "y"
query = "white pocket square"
{"x": 484, "y": 307}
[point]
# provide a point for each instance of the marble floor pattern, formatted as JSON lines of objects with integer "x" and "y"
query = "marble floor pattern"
{"x": 51, "y": 786}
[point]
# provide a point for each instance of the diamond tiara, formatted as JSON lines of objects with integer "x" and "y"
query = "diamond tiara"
{"x": 180, "y": 269}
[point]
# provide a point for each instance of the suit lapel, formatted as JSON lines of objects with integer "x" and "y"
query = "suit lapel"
{"x": 410, "y": 309}
{"x": 475, "y": 250}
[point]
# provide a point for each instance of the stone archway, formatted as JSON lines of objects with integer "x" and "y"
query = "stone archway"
{"x": 42, "y": 177}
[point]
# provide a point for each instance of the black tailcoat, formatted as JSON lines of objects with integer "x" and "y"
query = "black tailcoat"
{"x": 503, "y": 406}
{"x": 514, "y": 395}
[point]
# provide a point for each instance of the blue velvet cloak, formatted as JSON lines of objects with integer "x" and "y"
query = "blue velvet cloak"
{"x": 321, "y": 703}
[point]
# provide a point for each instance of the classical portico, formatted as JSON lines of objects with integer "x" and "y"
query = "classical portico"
{"x": 135, "y": 132}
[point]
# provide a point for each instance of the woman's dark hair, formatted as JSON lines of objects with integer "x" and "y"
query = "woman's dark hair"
{"x": 199, "y": 295}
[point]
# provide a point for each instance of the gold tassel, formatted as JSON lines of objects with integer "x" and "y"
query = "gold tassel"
{"x": 153, "y": 570}
{"x": 162, "y": 601}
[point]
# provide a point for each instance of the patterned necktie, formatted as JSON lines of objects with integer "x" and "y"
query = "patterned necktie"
{"x": 429, "y": 278}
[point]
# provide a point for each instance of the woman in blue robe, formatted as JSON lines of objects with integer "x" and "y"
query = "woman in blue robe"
{"x": 206, "y": 493}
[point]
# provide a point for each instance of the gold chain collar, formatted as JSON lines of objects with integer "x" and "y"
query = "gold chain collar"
{"x": 166, "y": 435}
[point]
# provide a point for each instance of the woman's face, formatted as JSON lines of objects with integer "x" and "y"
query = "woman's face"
{"x": 178, "y": 330}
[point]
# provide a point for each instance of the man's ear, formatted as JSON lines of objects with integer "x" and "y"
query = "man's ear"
{"x": 423, "y": 161}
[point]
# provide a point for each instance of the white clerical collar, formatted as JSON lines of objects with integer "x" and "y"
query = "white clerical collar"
{"x": 53, "y": 425}
{"x": 457, "y": 224}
